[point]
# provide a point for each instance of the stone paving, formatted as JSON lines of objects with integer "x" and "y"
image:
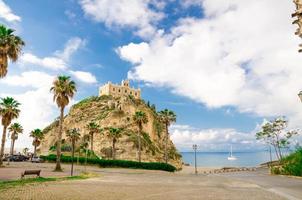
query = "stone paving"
{"x": 127, "y": 184}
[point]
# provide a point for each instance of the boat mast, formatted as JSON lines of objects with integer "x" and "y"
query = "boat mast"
{"x": 231, "y": 150}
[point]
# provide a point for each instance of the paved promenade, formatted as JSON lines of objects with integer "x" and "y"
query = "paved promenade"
{"x": 127, "y": 184}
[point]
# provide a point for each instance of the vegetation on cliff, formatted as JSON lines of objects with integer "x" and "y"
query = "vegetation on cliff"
{"x": 108, "y": 113}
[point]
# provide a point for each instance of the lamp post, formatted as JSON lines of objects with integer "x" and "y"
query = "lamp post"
{"x": 195, "y": 148}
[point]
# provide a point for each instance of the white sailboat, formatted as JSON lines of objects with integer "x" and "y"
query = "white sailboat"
{"x": 231, "y": 157}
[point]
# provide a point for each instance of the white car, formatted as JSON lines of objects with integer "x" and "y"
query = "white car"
{"x": 36, "y": 159}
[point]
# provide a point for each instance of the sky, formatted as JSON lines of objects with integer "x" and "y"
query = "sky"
{"x": 224, "y": 67}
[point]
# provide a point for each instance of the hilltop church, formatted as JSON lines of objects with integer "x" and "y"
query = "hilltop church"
{"x": 116, "y": 90}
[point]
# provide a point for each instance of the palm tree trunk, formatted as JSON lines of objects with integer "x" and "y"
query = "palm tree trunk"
{"x": 72, "y": 158}
{"x": 139, "y": 143}
{"x": 11, "y": 150}
{"x": 91, "y": 144}
{"x": 3, "y": 65}
{"x": 59, "y": 140}
{"x": 2, "y": 145}
{"x": 78, "y": 157}
{"x": 166, "y": 144}
{"x": 35, "y": 149}
{"x": 113, "y": 149}
{"x": 12, "y": 147}
{"x": 85, "y": 160}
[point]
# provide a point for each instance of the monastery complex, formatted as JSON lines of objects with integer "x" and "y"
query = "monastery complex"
{"x": 116, "y": 90}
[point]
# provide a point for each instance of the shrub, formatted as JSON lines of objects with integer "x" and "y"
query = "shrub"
{"x": 116, "y": 163}
{"x": 292, "y": 164}
{"x": 275, "y": 170}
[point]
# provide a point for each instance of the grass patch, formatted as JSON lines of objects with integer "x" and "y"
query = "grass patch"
{"x": 21, "y": 182}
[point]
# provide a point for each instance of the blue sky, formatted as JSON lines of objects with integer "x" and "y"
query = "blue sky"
{"x": 195, "y": 57}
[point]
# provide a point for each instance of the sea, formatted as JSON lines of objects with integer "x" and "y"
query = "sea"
{"x": 220, "y": 159}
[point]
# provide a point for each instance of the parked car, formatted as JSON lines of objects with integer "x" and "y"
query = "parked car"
{"x": 36, "y": 159}
{"x": 16, "y": 158}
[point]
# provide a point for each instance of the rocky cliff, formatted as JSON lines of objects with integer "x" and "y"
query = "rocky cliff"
{"x": 108, "y": 111}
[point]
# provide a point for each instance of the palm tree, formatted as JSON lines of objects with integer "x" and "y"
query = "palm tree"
{"x": 15, "y": 129}
{"x": 93, "y": 128}
{"x": 140, "y": 118}
{"x": 73, "y": 135}
{"x": 37, "y": 135}
{"x": 63, "y": 89}
{"x": 114, "y": 134}
{"x": 84, "y": 147}
{"x": 167, "y": 117}
{"x": 9, "y": 110}
{"x": 10, "y": 48}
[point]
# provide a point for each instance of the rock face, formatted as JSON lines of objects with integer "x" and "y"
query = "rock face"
{"x": 108, "y": 111}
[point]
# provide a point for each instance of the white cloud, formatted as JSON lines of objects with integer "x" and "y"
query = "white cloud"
{"x": 185, "y": 136}
{"x": 37, "y": 106}
{"x": 71, "y": 47}
{"x": 124, "y": 13}
{"x": 54, "y": 63}
{"x": 229, "y": 58}
{"x": 85, "y": 77}
{"x": 61, "y": 58}
{"x": 33, "y": 79}
{"x": 7, "y": 14}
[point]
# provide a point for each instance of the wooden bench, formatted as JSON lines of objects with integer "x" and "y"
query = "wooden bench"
{"x": 31, "y": 172}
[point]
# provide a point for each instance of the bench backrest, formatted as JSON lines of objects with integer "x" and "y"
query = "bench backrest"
{"x": 31, "y": 172}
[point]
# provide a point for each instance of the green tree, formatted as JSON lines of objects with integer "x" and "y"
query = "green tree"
{"x": 63, "y": 90}
{"x": 10, "y": 48}
{"x": 37, "y": 135}
{"x": 167, "y": 117}
{"x": 15, "y": 129}
{"x": 114, "y": 134}
{"x": 73, "y": 135}
{"x": 274, "y": 133}
{"x": 139, "y": 119}
{"x": 84, "y": 147}
{"x": 93, "y": 128}
{"x": 9, "y": 110}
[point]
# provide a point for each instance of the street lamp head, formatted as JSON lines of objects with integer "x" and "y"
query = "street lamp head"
{"x": 194, "y": 146}
{"x": 300, "y": 95}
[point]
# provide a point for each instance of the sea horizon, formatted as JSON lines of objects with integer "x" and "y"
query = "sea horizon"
{"x": 219, "y": 159}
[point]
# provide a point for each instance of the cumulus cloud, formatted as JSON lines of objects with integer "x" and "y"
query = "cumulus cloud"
{"x": 61, "y": 58}
{"x": 37, "y": 106}
{"x": 54, "y": 63}
{"x": 85, "y": 77}
{"x": 185, "y": 136}
{"x": 7, "y": 14}
{"x": 228, "y": 58}
{"x": 34, "y": 79}
{"x": 135, "y": 14}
